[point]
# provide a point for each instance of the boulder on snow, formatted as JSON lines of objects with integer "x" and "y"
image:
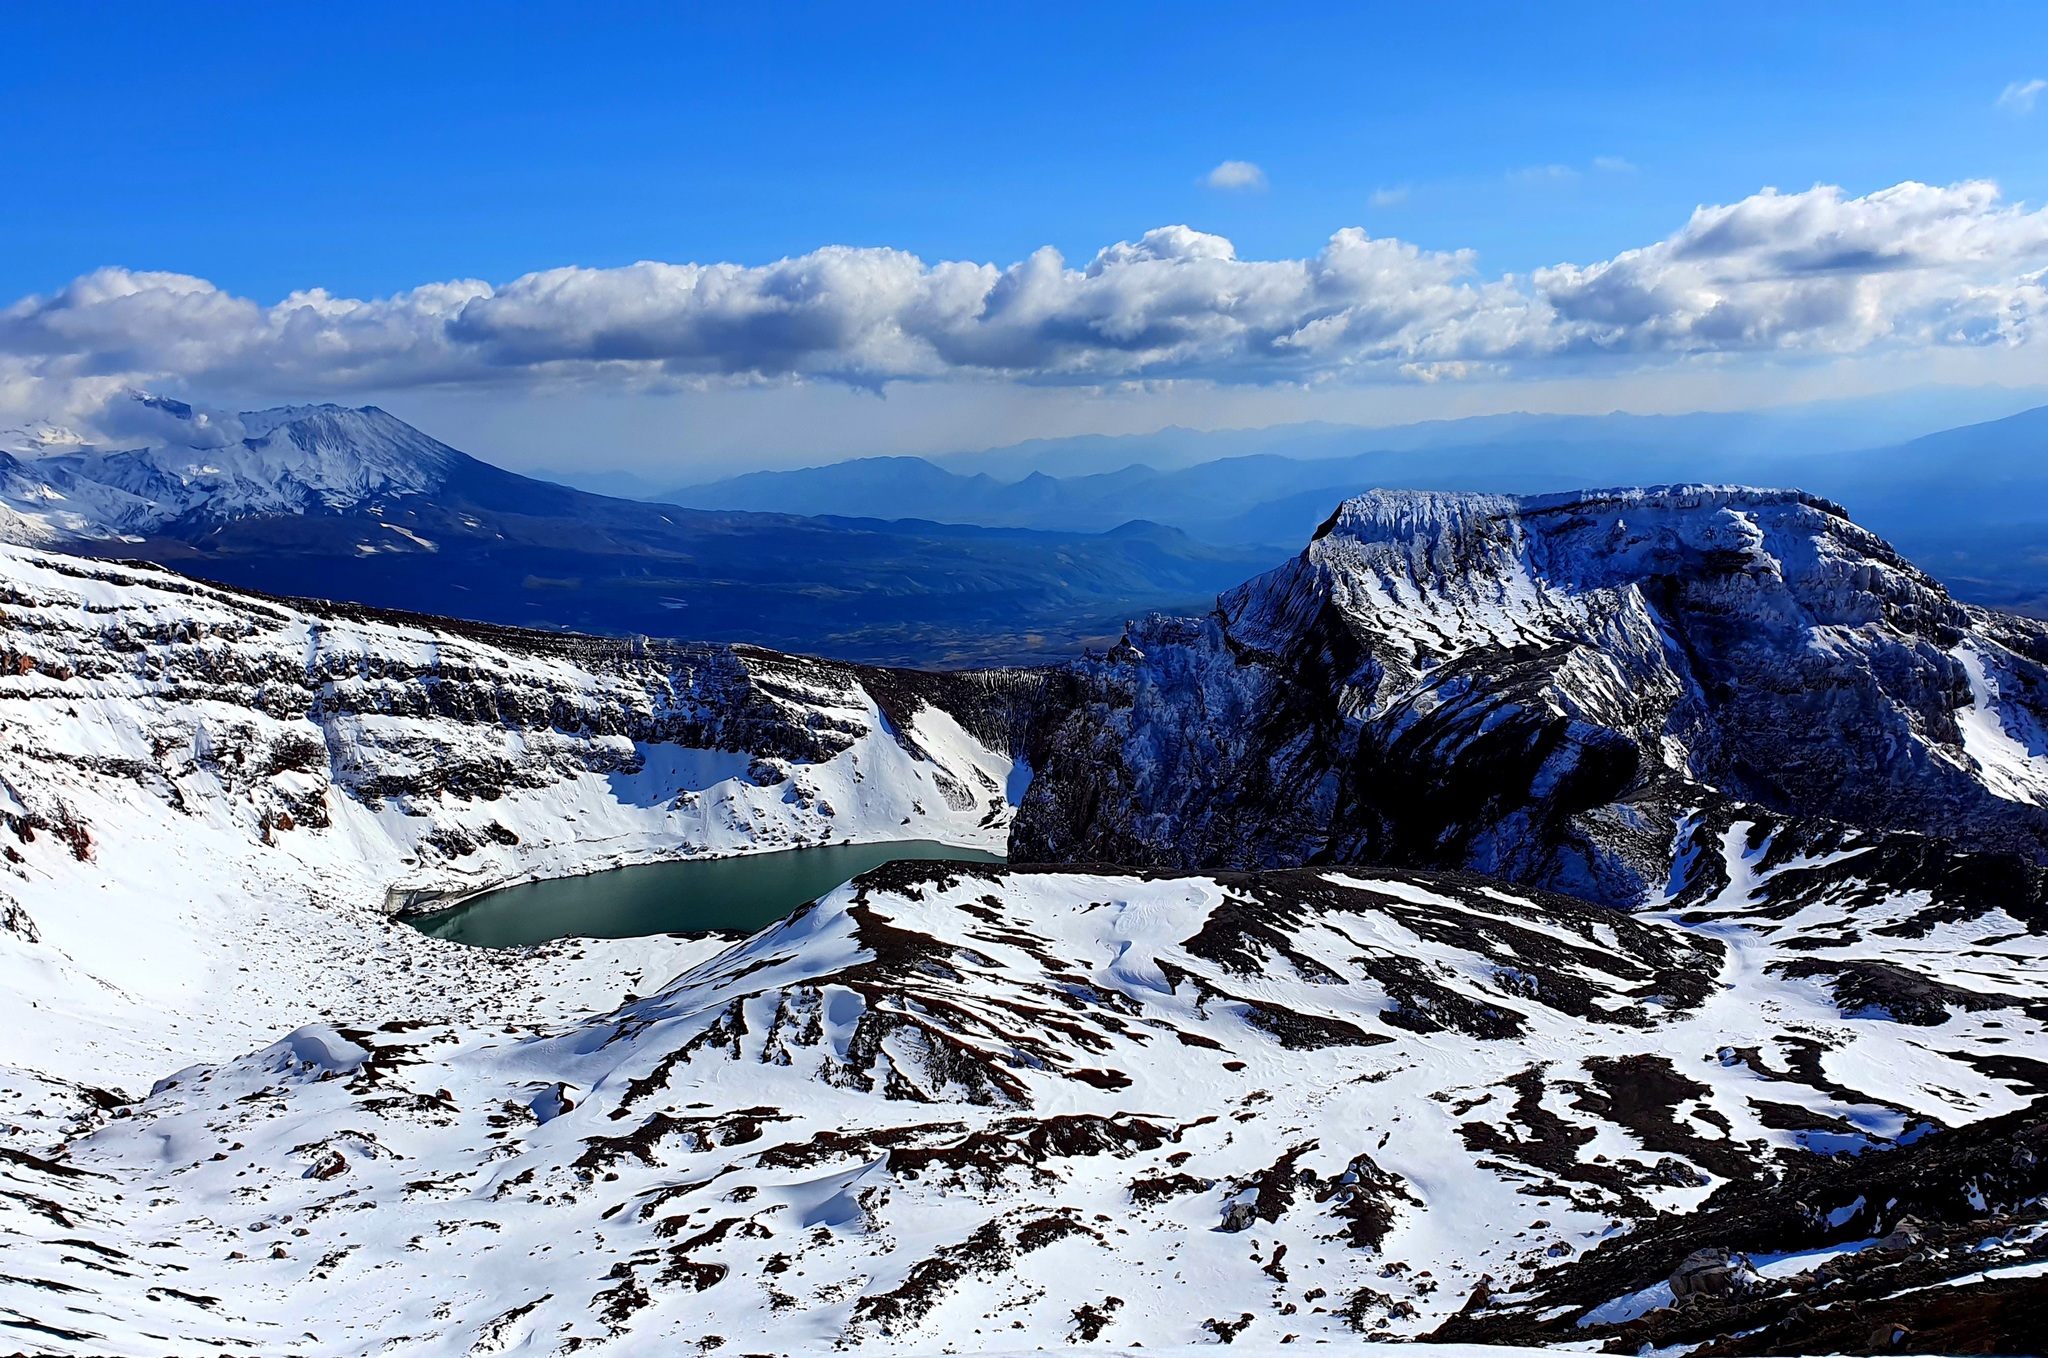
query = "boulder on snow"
{"x": 1905, "y": 1235}
{"x": 1713, "y": 1273}
{"x": 552, "y": 1101}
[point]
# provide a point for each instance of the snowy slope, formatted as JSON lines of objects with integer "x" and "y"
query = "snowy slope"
{"x": 292, "y": 460}
{"x": 963, "y": 1108}
{"x": 1538, "y": 688}
{"x": 190, "y": 774}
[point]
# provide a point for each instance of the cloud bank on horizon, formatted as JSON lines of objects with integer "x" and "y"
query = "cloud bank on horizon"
{"x": 1772, "y": 276}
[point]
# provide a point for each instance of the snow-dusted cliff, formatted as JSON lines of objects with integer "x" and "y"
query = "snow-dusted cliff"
{"x": 1542, "y": 689}
{"x": 190, "y": 775}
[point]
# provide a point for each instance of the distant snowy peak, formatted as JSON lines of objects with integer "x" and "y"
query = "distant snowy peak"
{"x": 342, "y": 443}
{"x": 198, "y": 468}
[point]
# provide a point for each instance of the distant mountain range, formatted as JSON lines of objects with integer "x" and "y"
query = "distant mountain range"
{"x": 329, "y": 502}
{"x": 1970, "y": 503}
{"x": 979, "y": 559}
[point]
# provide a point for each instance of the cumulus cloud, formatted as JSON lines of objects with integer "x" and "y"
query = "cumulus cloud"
{"x": 1815, "y": 272}
{"x": 1543, "y": 174}
{"x": 2021, "y": 95}
{"x": 1240, "y": 176}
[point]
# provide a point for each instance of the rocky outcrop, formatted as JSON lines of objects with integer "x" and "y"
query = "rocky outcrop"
{"x": 1544, "y": 689}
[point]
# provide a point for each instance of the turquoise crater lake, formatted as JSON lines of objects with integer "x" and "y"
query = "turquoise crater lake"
{"x": 742, "y": 893}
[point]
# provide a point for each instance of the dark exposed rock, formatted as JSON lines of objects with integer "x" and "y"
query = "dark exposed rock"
{"x": 1930, "y": 1205}
{"x": 1161, "y": 1187}
{"x": 1366, "y": 1197}
{"x": 1712, "y": 1272}
{"x": 1538, "y": 689}
{"x": 1091, "y": 1319}
{"x": 987, "y": 1251}
{"x": 1866, "y": 989}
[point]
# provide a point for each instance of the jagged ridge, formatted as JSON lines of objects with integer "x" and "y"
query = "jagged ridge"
{"x": 1542, "y": 689}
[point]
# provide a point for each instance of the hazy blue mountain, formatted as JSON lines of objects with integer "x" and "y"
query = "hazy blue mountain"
{"x": 357, "y": 505}
{"x": 622, "y": 485}
{"x": 1205, "y": 481}
{"x": 1249, "y": 499}
{"x": 1970, "y": 503}
{"x": 1813, "y": 427}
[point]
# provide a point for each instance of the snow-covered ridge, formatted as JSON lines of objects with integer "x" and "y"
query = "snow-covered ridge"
{"x": 181, "y": 761}
{"x": 956, "y": 1108}
{"x": 1424, "y": 567}
{"x": 1539, "y": 687}
{"x": 292, "y": 460}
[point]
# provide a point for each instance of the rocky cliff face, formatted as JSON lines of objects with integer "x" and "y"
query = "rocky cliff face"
{"x": 178, "y": 759}
{"x": 1544, "y": 689}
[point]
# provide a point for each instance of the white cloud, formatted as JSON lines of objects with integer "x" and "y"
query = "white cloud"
{"x": 1543, "y": 174}
{"x": 1913, "y": 267}
{"x": 1237, "y": 176}
{"x": 1613, "y": 165}
{"x": 2019, "y": 97}
{"x": 1393, "y": 197}
{"x": 145, "y": 419}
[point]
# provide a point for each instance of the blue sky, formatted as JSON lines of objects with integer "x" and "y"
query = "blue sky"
{"x": 369, "y": 149}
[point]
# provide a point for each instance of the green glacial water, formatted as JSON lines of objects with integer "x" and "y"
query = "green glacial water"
{"x": 745, "y": 893}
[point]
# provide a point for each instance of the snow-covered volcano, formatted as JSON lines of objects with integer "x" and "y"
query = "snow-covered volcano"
{"x": 292, "y": 460}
